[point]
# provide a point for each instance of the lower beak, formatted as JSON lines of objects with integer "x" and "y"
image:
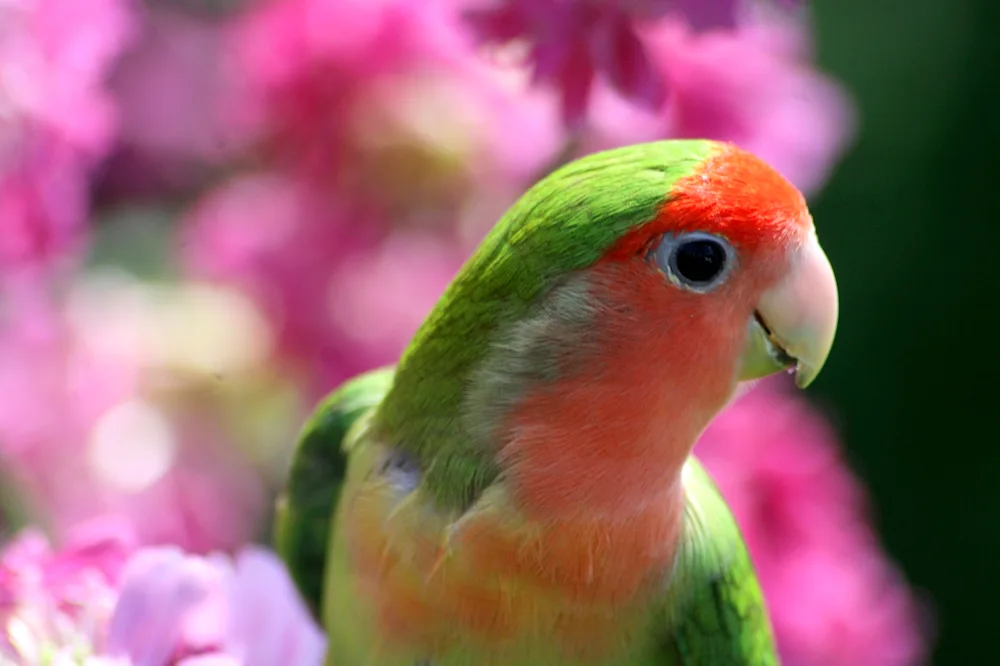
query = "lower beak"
{"x": 795, "y": 320}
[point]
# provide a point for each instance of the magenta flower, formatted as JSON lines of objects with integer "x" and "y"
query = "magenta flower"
{"x": 834, "y": 597}
{"x": 53, "y": 58}
{"x": 99, "y": 601}
{"x": 573, "y": 41}
{"x": 752, "y": 86}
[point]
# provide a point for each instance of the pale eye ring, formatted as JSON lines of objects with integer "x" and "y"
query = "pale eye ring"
{"x": 696, "y": 261}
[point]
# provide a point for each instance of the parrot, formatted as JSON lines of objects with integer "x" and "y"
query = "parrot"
{"x": 519, "y": 488}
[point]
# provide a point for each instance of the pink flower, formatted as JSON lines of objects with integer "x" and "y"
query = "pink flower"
{"x": 388, "y": 125}
{"x": 55, "y": 120}
{"x": 834, "y": 597}
{"x": 385, "y": 101}
{"x": 103, "y": 412}
{"x": 59, "y": 600}
{"x": 100, "y": 601}
{"x": 340, "y": 300}
{"x": 181, "y": 609}
{"x": 753, "y": 87}
{"x": 573, "y": 41}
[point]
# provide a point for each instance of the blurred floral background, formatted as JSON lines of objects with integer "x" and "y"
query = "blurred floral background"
{"x": 213, "y": 211}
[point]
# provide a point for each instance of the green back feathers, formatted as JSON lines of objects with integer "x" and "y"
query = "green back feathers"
{"x": 562, "y": 224}
{"x": 714, "y": 608}
{"x": 304, "y": 512}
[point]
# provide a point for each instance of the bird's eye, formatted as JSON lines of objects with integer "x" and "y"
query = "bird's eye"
{"x": 697, "y": 261}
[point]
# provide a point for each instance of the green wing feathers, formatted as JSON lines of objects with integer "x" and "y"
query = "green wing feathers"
{"x": 303, "y": 515}
{"x": 718, "y": 615}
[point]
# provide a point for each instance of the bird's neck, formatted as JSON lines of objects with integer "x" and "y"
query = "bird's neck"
{"x": 599, "y": 446}
{"x": 619, "y": 392}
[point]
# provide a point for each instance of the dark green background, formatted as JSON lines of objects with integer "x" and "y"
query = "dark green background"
{"x": 909, "y": 221}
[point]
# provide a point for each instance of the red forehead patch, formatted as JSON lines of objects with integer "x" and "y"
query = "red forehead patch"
{"x": 733, "y": 193}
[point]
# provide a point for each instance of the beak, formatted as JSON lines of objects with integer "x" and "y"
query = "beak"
{"x": 795, "y": 320}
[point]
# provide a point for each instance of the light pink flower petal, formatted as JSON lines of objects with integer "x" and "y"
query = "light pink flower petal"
{"x": 269, "y": 622}
{"x": 170, "y": 605}
{"x": 170, "y": 608}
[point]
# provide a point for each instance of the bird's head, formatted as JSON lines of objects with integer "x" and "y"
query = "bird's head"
{"x": 610, "y": 315}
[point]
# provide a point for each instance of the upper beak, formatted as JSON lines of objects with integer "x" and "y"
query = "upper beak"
{"x": 795, "y": 321}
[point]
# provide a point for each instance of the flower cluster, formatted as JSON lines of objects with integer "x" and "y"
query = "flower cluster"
{"x": 571, "y": 42}
{"x": 99, "y": 601}
{"x": 213, "y": 212}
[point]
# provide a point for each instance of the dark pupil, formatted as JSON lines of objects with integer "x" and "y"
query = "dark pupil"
{"x": 700, "y": 260}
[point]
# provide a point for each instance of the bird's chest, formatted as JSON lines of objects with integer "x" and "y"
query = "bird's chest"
{"x": 411, "y": 586}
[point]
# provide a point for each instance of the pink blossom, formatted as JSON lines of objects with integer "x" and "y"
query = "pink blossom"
{"x": 834, "y": 597}
{"x": 60, "y": 599}
{"x": 56, "y": 121}
{"x": 388, "y": 123}
{"x": 386, "y": 101}
{"x": 573, "y": 41}
{"x": 99, "y": 417}
{"x": 753, "y": 87}
{"x": 177, "y": 608}
{"x": 340, "y": 300}
{"x": 100, "y": 601}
